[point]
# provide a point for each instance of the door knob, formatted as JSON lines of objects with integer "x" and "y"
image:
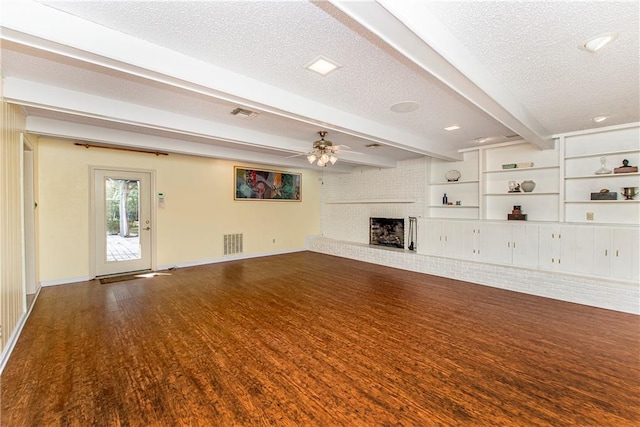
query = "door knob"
{"x": 147, "y": 228}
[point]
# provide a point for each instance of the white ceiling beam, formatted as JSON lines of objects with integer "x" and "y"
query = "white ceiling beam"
{"x": 96, "y": 134}
{"x": 412, "y": 30}
{"x": 32, "y": 24}
{"x": 91, "y": 107}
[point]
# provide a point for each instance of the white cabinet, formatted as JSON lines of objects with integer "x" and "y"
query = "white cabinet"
{"x": 465, "y": 239}
{"x": 437, "y": 238}
{"x": 602, "y": 251}
{"x": 448, "y": 238}
{"x": 509, "y": 243}
{"x": 557, "y": 247}
{"x": 625, "y": 253}
{"x": 608, "y": 252}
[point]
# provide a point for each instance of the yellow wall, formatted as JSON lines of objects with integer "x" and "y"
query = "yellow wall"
{"x": 199, "y": 208}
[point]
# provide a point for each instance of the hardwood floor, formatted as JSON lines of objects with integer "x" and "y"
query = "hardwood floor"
{"x": 310, "y": 339}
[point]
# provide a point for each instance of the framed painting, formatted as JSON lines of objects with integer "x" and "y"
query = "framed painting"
{"x": 258, "y": 184}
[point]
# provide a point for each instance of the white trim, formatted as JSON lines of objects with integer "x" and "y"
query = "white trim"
{"x": 17, "y": 331}
{"x": 227, "y": 258}
{"x": 66, "y": 281}
{"x": 153, "y": 213}
{"x": 597, "y": 130}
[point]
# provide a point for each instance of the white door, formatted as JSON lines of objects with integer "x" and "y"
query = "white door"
{"x": 122, "y": 225}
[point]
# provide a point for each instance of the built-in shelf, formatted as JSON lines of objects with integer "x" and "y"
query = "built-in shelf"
{"x": 369, "y": 201}
{"x": 454, "y": 206}
{"x": 607, "y": 175}
{"x": 535, "y": 168}
{"x": 601, "y": 201}
{"x": 522, "y": 193}
{"x": 456, "y": 182}
{"x": 607, "y": 153}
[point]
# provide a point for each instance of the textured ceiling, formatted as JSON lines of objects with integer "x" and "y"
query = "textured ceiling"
{"x": 529, "y": 48}
{"x": 539, "y": 62}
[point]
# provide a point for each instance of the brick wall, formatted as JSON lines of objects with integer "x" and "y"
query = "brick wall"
{"x": 345, "y": 229}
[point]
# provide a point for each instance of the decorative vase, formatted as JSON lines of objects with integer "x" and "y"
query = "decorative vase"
{"x": 527, "y": 186}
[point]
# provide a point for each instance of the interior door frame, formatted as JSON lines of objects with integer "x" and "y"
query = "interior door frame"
{"x": 92, "y": 213}
{"x": 27, "y": 193}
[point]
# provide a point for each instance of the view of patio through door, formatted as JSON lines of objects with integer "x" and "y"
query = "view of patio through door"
{"x": 122, "y": 221}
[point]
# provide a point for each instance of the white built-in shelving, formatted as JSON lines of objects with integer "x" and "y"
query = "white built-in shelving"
{"x": 541, "y": 204}
{"x": 582, "y": 154}
{"x": 369, "y": 201}
{"x": 565, "y": 177}
{"x": 464, "y": 190}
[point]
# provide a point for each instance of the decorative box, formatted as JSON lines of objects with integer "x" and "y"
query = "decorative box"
{"x": 607, "y": 195}
{"x": 509, "y": 166}
{"x": 517, "y": 217}
{"x": 625, "y": 169}
{"x": 524, "y": 165}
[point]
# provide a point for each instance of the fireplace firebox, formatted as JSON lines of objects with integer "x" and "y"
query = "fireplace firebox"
{"x": 386, "y": 232}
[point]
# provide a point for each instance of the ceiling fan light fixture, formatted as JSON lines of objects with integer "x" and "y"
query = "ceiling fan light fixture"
{"x": 311, "y": 158}
{"x": 322, "y": 65}
{"x": 333, "y": 159}
{"x": 596, "y": 43}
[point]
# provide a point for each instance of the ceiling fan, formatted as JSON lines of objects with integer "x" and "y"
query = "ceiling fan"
{"x": 323, "y": 151}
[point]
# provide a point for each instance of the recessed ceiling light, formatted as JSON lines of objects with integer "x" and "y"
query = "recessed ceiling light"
{"x": 405, "y": 107}
{"x": 322, "y": 65}
{"x": 481, "y": 139}
{"x": 600, "y": 119}
{"x": 450, "y": 128}
{"x": 596, "y": 43}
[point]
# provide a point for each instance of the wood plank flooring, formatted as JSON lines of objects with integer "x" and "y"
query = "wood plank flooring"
{"x": 309, "y": 339}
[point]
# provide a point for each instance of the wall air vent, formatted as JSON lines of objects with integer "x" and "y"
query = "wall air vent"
{"x": 244, "y": 113}
{"x": 232, "y": 244}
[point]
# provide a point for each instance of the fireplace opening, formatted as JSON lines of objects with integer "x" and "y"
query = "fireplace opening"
{"x": 386, "y": 232}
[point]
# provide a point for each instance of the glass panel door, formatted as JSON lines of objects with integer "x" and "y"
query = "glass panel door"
{"x": 122, "y": 205}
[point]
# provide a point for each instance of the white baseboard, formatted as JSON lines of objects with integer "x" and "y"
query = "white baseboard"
{"x": 227, "y": 258}
{"x": 65, "y": 281}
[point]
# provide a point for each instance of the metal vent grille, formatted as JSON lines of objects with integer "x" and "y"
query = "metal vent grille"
{"x": 232, "y": 244}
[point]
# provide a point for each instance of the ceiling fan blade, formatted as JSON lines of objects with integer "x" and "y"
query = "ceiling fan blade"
{"x": 296, "y": 155}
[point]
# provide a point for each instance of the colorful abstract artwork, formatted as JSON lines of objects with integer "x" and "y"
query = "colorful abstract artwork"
{"x": 255, "y": 184}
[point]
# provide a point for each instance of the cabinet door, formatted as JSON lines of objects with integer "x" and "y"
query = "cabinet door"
{"x": 464, "y": 239}
{"x": 567, "y": 241}
{"x": 601, "y": 262}
{"x": 430, "y": 241}
{"x": 624, "y": 254}
{"x": 524, "y": 245}
{"x": 549, "y": 248}
{"x": 448, "y": 239}
{"x": 495, "y": 243}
